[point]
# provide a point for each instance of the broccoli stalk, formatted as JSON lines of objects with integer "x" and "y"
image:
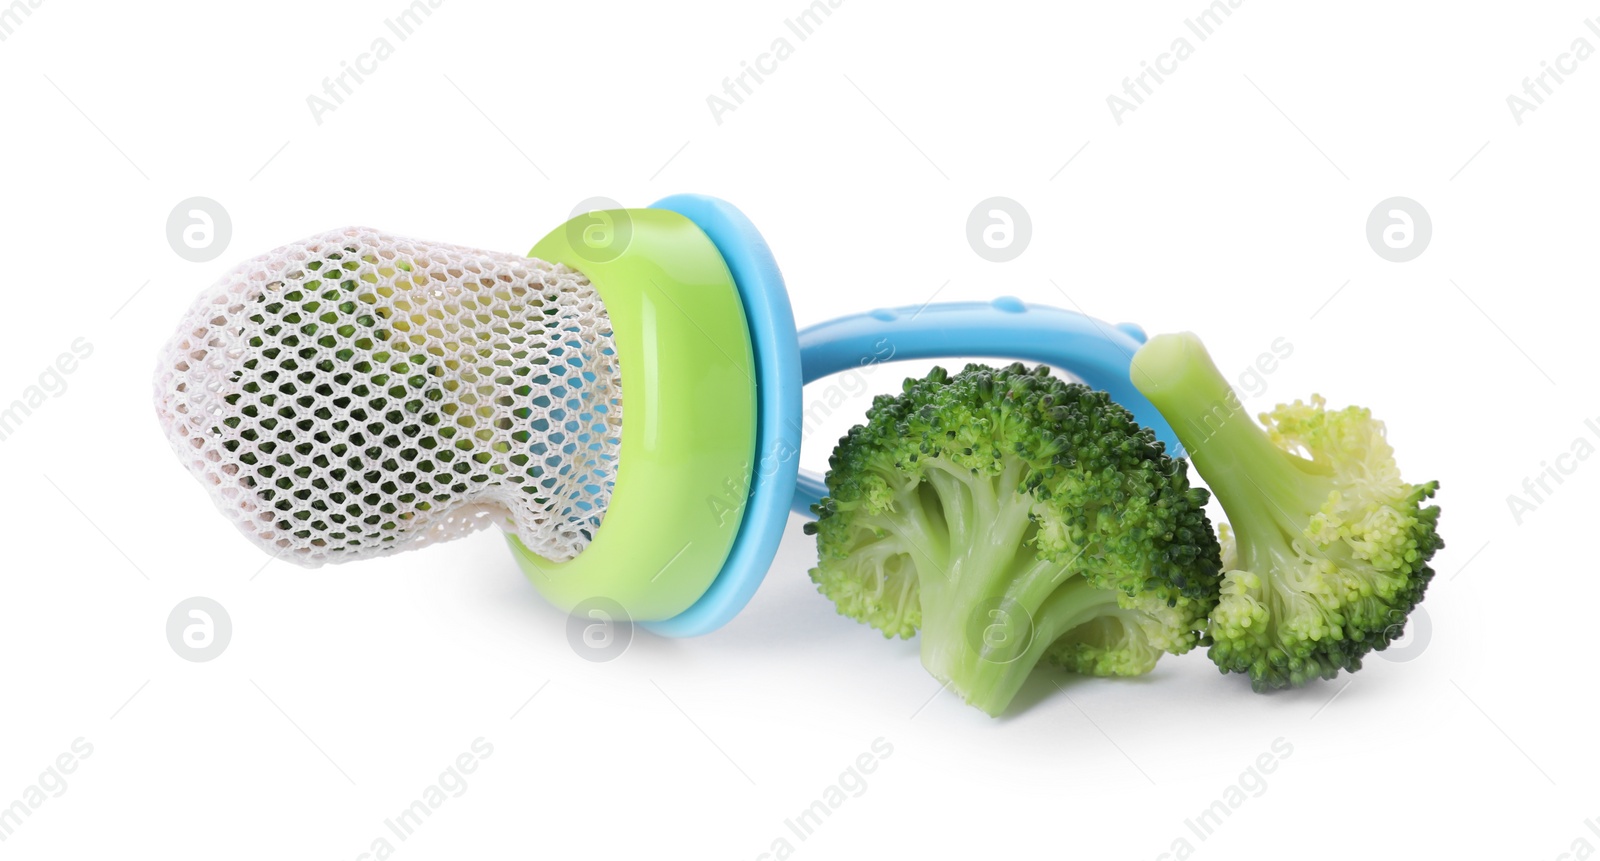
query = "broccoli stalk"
{"x": 1326, "y": 549}
{"x": 993, "y": 606}
{"x": 1012, "y": 516}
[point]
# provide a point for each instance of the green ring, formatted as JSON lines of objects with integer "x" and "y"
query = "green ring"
{"x": 689, "y": 415}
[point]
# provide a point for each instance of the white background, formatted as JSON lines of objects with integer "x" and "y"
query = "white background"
{"x": 1232, "y": 203}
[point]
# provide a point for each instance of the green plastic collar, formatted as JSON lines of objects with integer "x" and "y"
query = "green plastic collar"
{"x": 689, "y": 415}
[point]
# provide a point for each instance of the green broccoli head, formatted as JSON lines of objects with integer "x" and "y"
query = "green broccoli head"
{"x": 1012, "y": 516}
{"x": 1326, "y": 550}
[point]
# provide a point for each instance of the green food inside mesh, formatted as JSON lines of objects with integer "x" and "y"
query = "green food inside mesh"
{"x": 351, "y": 420}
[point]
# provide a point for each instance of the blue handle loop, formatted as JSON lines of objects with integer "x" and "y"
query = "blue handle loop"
{"x": 1095, "y": 352}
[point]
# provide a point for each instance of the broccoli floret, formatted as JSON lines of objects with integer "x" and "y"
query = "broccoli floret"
{"x": 1326, "y": 549}
{"x": 1009, "y": 515}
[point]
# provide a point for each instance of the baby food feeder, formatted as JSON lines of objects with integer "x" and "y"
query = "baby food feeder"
{"x": 625, "y": 402}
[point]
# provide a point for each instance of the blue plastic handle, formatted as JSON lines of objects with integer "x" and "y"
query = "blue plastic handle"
{"x": 1095, "y": 352}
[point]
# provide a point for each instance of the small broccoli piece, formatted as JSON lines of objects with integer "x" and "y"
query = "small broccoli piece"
{"x": 1009, "y": 515}
{"x": 1326, "y": 549}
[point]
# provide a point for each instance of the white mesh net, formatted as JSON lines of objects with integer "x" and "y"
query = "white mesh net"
{"x": 356, "y": 394}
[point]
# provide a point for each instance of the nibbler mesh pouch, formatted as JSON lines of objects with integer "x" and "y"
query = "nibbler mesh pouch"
{"x": 356, "y": 394}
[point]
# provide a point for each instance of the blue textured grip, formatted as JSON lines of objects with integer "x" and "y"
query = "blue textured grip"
{"x": 1007, "y": 328}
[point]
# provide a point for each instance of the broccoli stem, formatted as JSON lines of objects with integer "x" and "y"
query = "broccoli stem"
{"x": 992, "y": 608}
{"x": 1263, "y": 489}
{"x": 985, "y": 647}
{"x": 989, "y": 618}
